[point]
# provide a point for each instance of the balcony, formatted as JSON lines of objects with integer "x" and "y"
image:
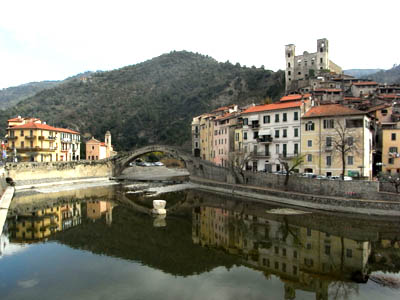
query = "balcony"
{"x": 287, "y": 156}
{"x": 36, "y": 149}
{"x": 12, "y": 137}
{"x": 47, "y": 138}
{"x": 255, "y": 125}
{"x": 264, "y": 139}
{"x": 30, "y": 137}
{"x": 261, "y": 154}
{"x": 328, "y": 148}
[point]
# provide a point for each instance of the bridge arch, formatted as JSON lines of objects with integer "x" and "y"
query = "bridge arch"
{"x": 121, "y": 161}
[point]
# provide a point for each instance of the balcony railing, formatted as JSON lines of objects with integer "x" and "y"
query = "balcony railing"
{"x": 12, "y": 137}
{"x": 30, "y": 137}
{"x": 255, "y": 125}
{"x": 261, "y": 154}
{"x": 264, "y": 139}
{"x": 287, "y": 156}
{"x": 36, "y": 149}
{"x": 50, "y": 138}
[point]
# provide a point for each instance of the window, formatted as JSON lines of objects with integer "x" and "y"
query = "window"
{"x": 327, "y": 249}
{"x": 309, "y": 143}
{"x": 391, "y": 160}
{"x": 277, "y": 133}
{"x": 393, "y": 149}
{"x": 276, "y": 265}
{"x": 284, "y": 117}
{"x": 350, "y": 141}
{"x": 267, "y": 119}
{"x": 349, "y": 253}
{"x": 276, "y": 250}
{"x": 296, "y": 132}
{"x": 328, "y": 141}
{"x": 283, "y": 267}
{"x": 308, "y": 246}
{"x": 296, "y": 116}
{"x": 384, "y": 112}
{"x": 393, "y": 136}
{"x": 349, "y": 160}
{"x": 277, "y": 148}
{"x": 22, "y": 133}
{"x": 284, "y": 251}
{"x": 358, "y": 123}
{"x": 309, "y": 157}
{"x": 255, "y": 135}
{"x": 308, "y": 232}
{"x": 294, "y": 270}
{"x": 329, "y": 160}
{"x": 245, "y": 121}
{"x": 309, "y": 126}
{"x": 277, "y": 118}
{"x": 284, "y": 134}
{"x": 245, "y": 135}
{"x": 296, "y": 148}
{"x": 294, "y": 254}
{"x": 22, "y": 145}
{"x": 329, "y": 124}
{"x": 289, "y": 73}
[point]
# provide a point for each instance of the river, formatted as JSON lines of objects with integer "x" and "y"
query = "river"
{"x": 100, "y": 243}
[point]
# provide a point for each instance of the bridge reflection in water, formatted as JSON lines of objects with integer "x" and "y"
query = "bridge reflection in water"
{"x": 313, "y": 252}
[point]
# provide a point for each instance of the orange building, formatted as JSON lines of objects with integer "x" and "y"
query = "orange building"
{"x": 99, "y": 150}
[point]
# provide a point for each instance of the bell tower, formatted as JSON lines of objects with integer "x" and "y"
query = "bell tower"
{"x": 290, "y": 52}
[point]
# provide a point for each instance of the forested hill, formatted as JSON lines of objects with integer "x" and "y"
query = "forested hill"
{"x": 151, "y": 102}
{"x": 391, "y": 76}
{"x": 12, "y": 95}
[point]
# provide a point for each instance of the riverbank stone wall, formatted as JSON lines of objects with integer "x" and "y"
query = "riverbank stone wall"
{"x": 356, "y": 189}
{"x": 34, "y": 172}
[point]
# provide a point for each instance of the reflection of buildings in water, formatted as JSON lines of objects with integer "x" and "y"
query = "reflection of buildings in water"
{"x": 303, "y": 258}
{"x": 40, "y": 224}
{"x": 3, "y": 242}
{"x": 96, "y": 209}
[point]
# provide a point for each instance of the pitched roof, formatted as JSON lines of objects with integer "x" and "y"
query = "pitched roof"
{"x": 331, "y": 110}
{"x": 273, "y": 106}
{"x": 378, "y": 107}
{"x": 33, "y": 125}
{"x": 42, "y": 126}
{"x": 295, "y": 97}
{"x": 328, "y": 90}
{"x": 352, "y": 98}
{"x": 361, "y": 83}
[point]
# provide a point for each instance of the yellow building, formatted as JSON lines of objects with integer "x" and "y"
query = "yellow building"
{"x": 206, "y": 136}
{"x": 41, "y": 223}
{"x": 391, "y": 150}
{"x": 30, "y": 139}
{"x": 327, "y": 129}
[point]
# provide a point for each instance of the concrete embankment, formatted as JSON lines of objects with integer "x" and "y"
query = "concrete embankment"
{"x": 336, "y": 204}
{"x": 5, "y": 202}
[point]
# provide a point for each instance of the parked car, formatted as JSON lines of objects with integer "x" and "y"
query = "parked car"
{"x": 346, "y": 178}
{"x": 321, "y": 177}
{"x": 334, "y": 178}
{"x": 147, "y": 164}
{"x": 309, "y": 175}
{"x": 158, "y": 163}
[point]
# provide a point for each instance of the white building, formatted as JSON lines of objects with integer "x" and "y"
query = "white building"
{"x": 272, "y": 132}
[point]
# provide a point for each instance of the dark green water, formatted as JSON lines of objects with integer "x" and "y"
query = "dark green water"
{"x": 102, "y": 245}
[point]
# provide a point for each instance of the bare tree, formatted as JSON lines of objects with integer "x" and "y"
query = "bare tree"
{"x": 290, "y": 165}
{"x": 236, "y": 163}
{"x": 393, "y": 179}
{"x": 342, "y": 142}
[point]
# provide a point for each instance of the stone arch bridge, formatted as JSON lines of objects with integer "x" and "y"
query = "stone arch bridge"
{"x": 121, "y": 161}
{"x": 24, "y": 173}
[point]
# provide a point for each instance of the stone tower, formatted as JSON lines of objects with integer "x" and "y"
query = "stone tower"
{"x": 322, "y": 54}
{"x": 290, "y": 52}
{"x": 107, "y": 139}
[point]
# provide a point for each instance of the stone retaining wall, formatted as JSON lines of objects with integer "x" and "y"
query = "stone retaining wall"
{"x": 34, "y": 172}
{"x": 356, "y": 189}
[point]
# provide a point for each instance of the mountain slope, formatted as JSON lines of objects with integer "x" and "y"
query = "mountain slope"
{"x": 391, "y": 76}
{"x": 151, "y": 102}
{"x": 12, "y": 95}
{"x": 361, "y": 73}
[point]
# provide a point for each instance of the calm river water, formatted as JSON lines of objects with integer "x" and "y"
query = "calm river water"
{"x": 101, "y": 244}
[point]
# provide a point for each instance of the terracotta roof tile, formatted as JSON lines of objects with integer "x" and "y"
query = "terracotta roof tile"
{"x": 273, "y": 106}
{"x": 328, "y": 90}
{"x": 331, "y": 110}
{"x": 295, "y": 97}
{"x": 352, "y": 98}
{"x": 33, "y": 125}
{"x": 361, "y": 83}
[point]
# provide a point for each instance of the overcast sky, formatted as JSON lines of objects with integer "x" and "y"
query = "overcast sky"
{"x": 51, "y": 40}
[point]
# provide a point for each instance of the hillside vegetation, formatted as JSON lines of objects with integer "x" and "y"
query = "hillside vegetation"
{"x": 361, "y": 73}
{"x": 151, "y": 102}
{"x": 391, "y": 76}
{"x": 12, "y": 95}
